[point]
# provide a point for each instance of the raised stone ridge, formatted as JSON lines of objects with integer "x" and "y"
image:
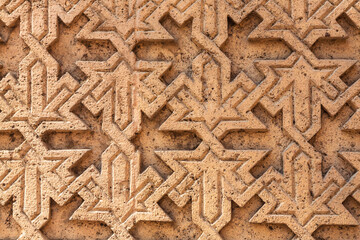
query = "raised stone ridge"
{"x": 179, "y": 119}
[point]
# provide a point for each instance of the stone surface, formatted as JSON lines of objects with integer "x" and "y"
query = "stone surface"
{"x": 179, "y": 119}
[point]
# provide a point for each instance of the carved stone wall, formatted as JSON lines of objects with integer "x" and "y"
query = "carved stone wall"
{"x": 179, "y": 119}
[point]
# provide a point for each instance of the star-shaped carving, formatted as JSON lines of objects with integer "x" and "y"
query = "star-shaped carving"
{"x": 119, "y": 195}
{"x": 300, "y": 28}
{"x": 209, "y": 108}
{"x": 32, "y": 118}
{"x": 301, "y": 87}
{"x": 305, "y": 198}
{"x": 299, "y": 209}
{"x": 302, "y": 77}
{"x": 211, "y": 168}
{"x": 211, "y": 181}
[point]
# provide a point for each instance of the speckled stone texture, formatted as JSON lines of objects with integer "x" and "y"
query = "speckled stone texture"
{"x": 180, "y": 119}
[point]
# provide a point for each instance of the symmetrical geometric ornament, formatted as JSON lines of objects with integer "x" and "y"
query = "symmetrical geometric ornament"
{"x": 180, "y": 125}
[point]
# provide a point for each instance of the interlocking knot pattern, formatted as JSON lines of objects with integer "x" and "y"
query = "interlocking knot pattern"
{"x": 196, "y": 108}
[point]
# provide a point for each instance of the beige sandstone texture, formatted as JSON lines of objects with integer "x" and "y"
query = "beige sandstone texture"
{"x": 180, "y": 119}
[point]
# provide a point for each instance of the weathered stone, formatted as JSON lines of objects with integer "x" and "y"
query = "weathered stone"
{"x": 179, "y": 119}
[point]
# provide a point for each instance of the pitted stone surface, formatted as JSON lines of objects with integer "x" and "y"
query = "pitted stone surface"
{"x": 179, "y": 119}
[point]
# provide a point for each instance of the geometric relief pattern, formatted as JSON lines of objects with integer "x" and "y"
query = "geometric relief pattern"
{"x": 168, "y": 74}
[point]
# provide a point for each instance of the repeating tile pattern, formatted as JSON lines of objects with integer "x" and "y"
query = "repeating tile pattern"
{"x": 204, "y": 106}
